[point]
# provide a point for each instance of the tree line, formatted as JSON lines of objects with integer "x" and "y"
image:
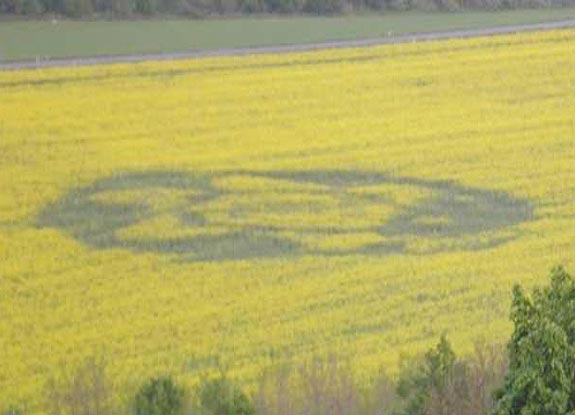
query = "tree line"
{"x": 202, "y": 8}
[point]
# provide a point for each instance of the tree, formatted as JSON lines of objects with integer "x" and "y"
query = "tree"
{"x": 541, "y": 351}
{"x": 146, "y": 7}
{"x": 77, "y": 8}
{"x": 417, "y": 384}
{"x": 32, "y": 7}
{"x": 12, "y": 410}
{"x": 222, "y": 397}
{"x": 159, "y": 396}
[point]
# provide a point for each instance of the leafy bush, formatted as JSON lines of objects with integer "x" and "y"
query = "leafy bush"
{"x": 442, "y": 384}
{"x": 252, "y": 6}
{"x": 12, "y": 410}
{"x": 32, "y": 7}
{"x": 283, "y": 6}
{"x": 159, "y": 396}
{"x": 324, "y": 6}
{"x": 77, "y": 8}
{"x": 541, "y": 377}
{"x": 222, "y": 397}
{"x": 417, "y": 383}
{"x": 146, "y": 7}
{"x": 203, "y": 8}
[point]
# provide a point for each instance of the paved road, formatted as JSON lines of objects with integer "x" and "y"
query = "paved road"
{"x": 415, "y": 37}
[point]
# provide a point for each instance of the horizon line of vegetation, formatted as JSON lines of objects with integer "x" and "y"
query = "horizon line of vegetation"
{"x": 206, "y": 8}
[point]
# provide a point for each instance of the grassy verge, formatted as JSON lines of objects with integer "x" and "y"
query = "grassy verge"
{"x": 25, "y": 40}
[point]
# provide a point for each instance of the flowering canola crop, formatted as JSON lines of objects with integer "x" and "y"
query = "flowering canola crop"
{"x": 258, "y": 209}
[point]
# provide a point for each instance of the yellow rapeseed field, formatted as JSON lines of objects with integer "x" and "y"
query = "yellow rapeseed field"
{"x": 252, "y": 210}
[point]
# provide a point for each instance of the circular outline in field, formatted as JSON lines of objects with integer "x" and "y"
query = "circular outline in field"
{"x": 472, "y": 217}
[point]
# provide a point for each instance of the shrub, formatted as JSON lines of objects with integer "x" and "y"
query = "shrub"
{"x": 324, "y": 6}
{"x": 12, "y": 410}
{"x": 541, "y": 351}
{"x": 122, "y": 8}
{"x": 146, "y": 7}
{"x": 417, "y": 383}
{"x": 77, "y": 8}
{"x": 283, "y": 6}
{"x": 252, "y": 6}
{"x": 159, "y": 396}
{"x": 32, "y": 7}
{"x": 222, "y": 397}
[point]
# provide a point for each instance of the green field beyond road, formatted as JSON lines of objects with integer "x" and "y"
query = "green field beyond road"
{"x": 29, "y": 40}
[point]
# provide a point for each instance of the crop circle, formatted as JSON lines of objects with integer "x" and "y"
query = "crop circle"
{"x": 252, "y": 214}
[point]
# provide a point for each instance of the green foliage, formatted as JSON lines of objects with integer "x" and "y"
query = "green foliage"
{"x": 222, "y": 397}
{"x": 283, "y": 6}
{"x": 417, "y": 383}
{"x": 159, "y": 396}
{"x": 77, "y": 8}
{"x": 12, "y": 6}
{"x": 252, "y": 6}
{"x": 541, "y": 351}
{"x": 146, "y": 6}
{"x": 32, "y": 7}
{"x": 12, "y": 410}
{"x": 324, "y": 6}
{"x": 201, "y": 8}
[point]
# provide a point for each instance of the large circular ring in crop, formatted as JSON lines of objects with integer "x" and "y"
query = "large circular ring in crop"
{"x": 252, "y": 214}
